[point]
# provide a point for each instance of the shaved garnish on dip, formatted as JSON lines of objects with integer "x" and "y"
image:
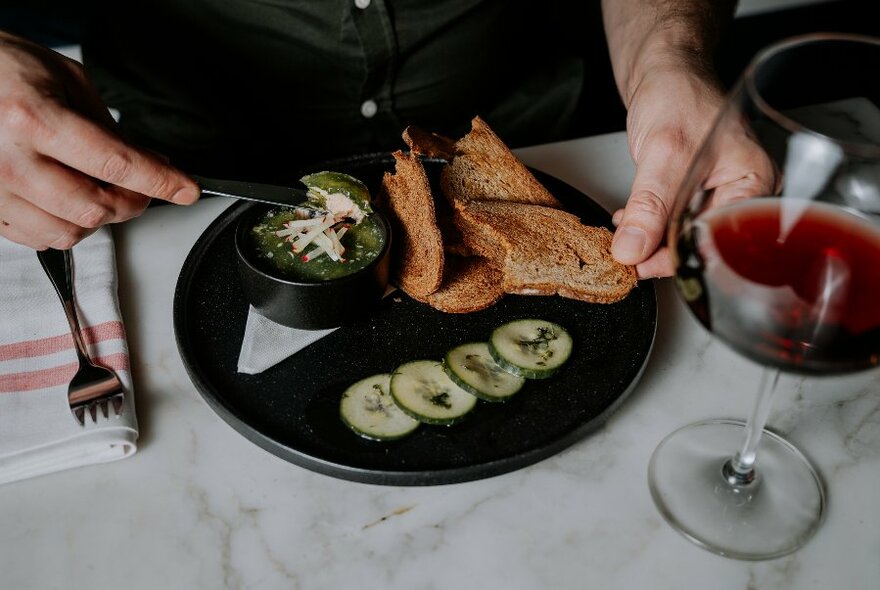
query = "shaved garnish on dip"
{"x": 330, "y": 235}
{"x": 340, "y": 194}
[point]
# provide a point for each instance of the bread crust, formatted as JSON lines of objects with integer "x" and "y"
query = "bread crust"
{"x": 428, "y": 144}
{"x": 417, "y": 244}
{"x": 484, "y": 169}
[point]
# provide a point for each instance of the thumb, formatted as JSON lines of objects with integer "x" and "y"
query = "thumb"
{"x": 641, "y": 228}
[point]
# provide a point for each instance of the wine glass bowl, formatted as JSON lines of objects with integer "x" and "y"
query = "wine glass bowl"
{"x": 779, "y": 260}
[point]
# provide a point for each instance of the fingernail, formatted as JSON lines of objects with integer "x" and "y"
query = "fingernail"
{"x": 617, "y": 217}
{"x": 629, "y": 244}
{"x": 185, "y": 196}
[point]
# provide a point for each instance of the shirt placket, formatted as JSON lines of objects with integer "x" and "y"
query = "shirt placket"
{"x": 378, "y": 40}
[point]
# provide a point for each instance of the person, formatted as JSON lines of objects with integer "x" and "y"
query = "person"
{"x": 245, "y": 89}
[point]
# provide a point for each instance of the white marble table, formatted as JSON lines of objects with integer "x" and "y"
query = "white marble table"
{"x": 201, "y": 507}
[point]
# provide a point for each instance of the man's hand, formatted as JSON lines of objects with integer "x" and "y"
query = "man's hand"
{"x": 670, "y": 114}
{"x": 63, "y": 170}
{"x": 661, "y": 53}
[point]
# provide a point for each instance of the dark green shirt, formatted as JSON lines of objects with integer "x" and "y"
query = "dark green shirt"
{"x": 261, "y": 87}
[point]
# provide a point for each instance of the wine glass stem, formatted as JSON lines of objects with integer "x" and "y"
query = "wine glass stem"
{"x": 743, "y": 463}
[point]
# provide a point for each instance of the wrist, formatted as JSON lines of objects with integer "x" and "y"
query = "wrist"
{"x": 662, "y": 35}
{"x": 673, "y": 57}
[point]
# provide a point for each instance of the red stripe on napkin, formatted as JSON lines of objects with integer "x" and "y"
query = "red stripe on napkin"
{"x": 42, "y": 346}
{"x": 30, "y": 380}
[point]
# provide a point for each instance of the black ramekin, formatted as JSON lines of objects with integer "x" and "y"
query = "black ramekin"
{"x": 310, "y": 305}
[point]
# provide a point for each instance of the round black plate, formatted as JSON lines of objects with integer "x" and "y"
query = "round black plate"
{"x": 292, "y": 409}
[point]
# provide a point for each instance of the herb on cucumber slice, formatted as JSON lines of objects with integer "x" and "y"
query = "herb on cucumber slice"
{"x": 530, "y": 348}
{"x": 424, "y": 391}
{"x": 391, "y": 406}
{"x": 369, "y": 410}
{"x": 471, "y": 367}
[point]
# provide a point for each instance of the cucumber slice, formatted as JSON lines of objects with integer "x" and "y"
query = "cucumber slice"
{"x": 368, "y": 408}
{"x": 472, "y": 368}
{"x": 424, "y": 391}
{"x": 530, "y": 348}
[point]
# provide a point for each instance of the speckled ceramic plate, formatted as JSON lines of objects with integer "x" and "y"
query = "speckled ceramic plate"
{"x": 292, "y": 409}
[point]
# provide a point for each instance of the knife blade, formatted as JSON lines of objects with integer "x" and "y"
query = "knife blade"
{"x": 251, "y": 191}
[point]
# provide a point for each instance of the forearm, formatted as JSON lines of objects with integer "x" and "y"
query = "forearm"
{"x": 656, "y": 35}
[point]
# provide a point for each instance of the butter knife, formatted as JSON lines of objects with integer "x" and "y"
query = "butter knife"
{"x": 251, "y": 191}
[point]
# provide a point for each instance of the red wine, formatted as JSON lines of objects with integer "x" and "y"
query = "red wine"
{"x": 787, "y": 282}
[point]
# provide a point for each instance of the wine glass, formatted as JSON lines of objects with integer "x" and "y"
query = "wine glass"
{"x": 788, "y": 277}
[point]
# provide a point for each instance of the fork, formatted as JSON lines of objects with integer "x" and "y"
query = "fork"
{"x": 93, "y": 386}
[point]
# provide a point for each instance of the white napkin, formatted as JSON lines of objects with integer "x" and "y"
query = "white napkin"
{"x": 38, "y": 433}
{"x": 266, "y": 343}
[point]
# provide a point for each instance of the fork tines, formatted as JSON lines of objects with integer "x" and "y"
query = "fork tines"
{"x": 79, "y": 409}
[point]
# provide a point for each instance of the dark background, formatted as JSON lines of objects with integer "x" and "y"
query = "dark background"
{"x": 59, "y": 22}
{"x": 602, "y": 111}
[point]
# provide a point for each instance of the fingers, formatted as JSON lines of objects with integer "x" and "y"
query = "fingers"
{"x": 642, "y": 225}
{"x": 658, "y": 265}
{"x": 745, "y": 171}
{"x": 745, "y": 188}
{"x": 86, "y": 146}
{"x": 26, "y": 224}
{"x": 45, "y": 203}
{"x": 63, "y": 169}
{"x": 72, "y": 196}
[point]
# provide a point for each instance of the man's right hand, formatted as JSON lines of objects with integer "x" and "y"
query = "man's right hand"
{"x": 64, "y": 171}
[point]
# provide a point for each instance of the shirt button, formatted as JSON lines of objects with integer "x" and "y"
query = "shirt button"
{"x": 362, "y": 4}
{"x": 369, "y": 107}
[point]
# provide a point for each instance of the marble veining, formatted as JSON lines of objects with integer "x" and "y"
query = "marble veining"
{"x": 201, "y": 507}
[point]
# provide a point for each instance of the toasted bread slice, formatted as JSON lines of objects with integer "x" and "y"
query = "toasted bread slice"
{"x": 426, "y": 143}
{"x": 484, "y": 169}
{"x": 470, "y": 284}
{"x": 433, "y": 145}
{"x": 418, "y": 245}
{"x": 546, "y": 251}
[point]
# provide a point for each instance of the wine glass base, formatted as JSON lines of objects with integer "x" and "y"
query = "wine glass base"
{"x": 770, "y": 518}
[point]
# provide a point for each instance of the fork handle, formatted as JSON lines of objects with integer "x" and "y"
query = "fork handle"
{"x": 59, "y": 269}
